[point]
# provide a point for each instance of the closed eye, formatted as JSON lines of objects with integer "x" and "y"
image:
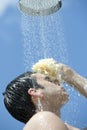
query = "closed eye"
{"x": 48, "y": 79}
{"x": 53, "y": 81}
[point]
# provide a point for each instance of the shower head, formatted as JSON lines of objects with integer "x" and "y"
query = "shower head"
{"x": 39, "y": 7}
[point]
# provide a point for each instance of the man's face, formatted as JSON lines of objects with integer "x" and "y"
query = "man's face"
{"x": 53, "y": 93}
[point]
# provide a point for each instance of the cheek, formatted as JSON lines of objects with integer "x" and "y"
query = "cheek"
{"x": 52, "y": 93}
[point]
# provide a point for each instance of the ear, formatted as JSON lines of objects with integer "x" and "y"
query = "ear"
{"x": 32, "y": 91}
{"x": 35, "y": 93}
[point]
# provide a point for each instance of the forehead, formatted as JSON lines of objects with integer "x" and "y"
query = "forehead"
{"x": 43, "y": 81}
{"x": 38, "y": 76}
{"x": 44, "y": 77}
{"x": 38, "y": 80}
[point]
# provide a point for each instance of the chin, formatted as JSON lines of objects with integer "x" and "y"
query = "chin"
{"x": 64, "y": 99}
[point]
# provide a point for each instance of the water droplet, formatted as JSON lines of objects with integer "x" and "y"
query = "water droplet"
{"x": 40, "y": 107}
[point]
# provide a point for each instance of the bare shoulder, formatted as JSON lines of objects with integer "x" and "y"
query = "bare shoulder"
{"x": 49, "y": 119}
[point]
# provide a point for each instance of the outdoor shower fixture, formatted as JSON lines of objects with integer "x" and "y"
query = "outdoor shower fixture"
{"x": 39, "y": 7}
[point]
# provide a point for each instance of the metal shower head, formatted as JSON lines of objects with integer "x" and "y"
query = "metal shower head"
{"x": 39, "y": 7}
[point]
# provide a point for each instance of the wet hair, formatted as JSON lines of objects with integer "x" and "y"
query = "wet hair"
{"x": 17, "y": 100}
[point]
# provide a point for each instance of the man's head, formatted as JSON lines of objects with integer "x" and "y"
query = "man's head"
{"x": 17, "y": 100}
{"x": 21, "y": 95}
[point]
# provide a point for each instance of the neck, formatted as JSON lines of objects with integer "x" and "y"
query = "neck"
{"x": 41, "y": 106}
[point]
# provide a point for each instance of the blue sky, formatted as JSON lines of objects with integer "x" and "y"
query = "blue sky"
{"x": 24, "y": 40}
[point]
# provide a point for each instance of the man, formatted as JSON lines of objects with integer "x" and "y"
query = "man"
{"x": 22, "y": 94}
{"x": 31, "y": 93}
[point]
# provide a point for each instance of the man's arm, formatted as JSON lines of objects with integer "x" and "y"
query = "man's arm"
{"x": 74, "y": 79}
